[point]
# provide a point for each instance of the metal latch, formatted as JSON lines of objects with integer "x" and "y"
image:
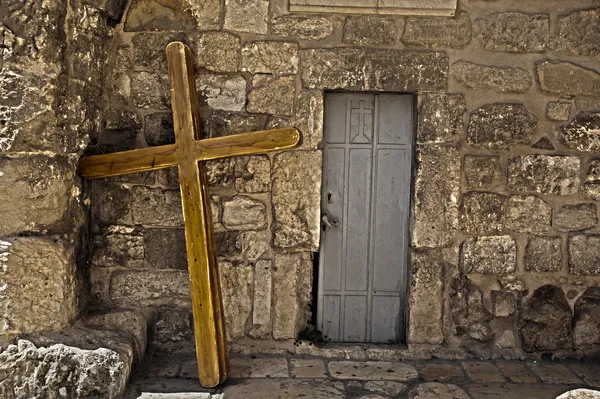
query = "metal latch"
{"x": 329, "y": 223}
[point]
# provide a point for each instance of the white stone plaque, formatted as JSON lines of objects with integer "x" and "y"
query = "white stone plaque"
{"x": 403, "y": 7}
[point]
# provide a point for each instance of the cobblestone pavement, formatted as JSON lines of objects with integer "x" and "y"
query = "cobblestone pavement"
{"x": 174, "y": 376}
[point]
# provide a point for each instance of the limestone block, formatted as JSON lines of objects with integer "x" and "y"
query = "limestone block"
{"x": 37, "y": 285}
{"x": 577, "y": 33}
{"x": 440, "y": 118}
{"x": 113, "y": 8}
{"x": 158, "y": 129}
{"x": 373, "y": 69}
{"x": 277, "y": 58}
{"x": 223, "y": 123}
{"x": 165, "y": 249}
{"x": 501, "y": 126}
{"x": 482, "y": 213}
{"x": 296, "y": 190}
{"x": 565, "y": 79}
{"x": 119, "y": 246}
{"x": 236, "y": 287}
{"x": 576, "y": 217}
{"x": 591, "y": 185}
{"x": 378, "y": 371}
{"x": 587, "y": 318}
{"x": 426, "y": 298}
{"x": 559, "y": 111}
{"x": 545, "y": 174}
{"x": 150, "y": 90}
{"x": 292, "y": 279}
{"x": 483, "y": 172}
{"x": 228, "y": 243}
{"x": 153, "y": 206}
{"x": 36, "y": 193}
{"x": 513, "y": 32}
{"x": 543, "y": 254}
{"x": 272, "y": 95}
{"x": 150, "y": 287}
{"x": 247, "y": 15}
{"x": 252, "y": 174}
{"x": 244, "y": 213}
{"x": 438, "y": 32}
{"x": 469, "y": 314}
{"x": 225, "y": 92}
{"x": 504, "y": 303}
{"x": 172, "y": 325}
{"x": 370, "y": 29}
{"x": 489, "y": 255}
{"x": 157, "y": 15}
{"x": 308, "y": 118}
{"x": 149, "y": 48}
{"x": 436, "y": 196}
{"x": 584, "y": 255}
{"x": 582, "y": 133}
{"x": 219, "y": 51}
{"x": 545, "y": 320}
{"x": 437, "y": 390}
{"x": 263, "y": 281}
{"x": 255, "y": 244}
{"x": 503, "y": 79}
{"x": 528, "y": 214}
{"x": 220, "y": 173}
{"x": 305, "y": 27}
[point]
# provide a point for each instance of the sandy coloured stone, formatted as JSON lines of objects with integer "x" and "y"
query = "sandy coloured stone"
{"x": 263, "y": 276}
{"x": 308, "y": 368}
{"x": 504, "y": 303}
{"x": 469, "y": 314}
{"x": 506, "y": 340}
{"x": 150, "y": 287}
{"x": 306, "y": 27}
{"x": 278, "y": 58}
{"x": 220, "y": 172}
{"x": 483, "y": 372}
{"x": 576, "y": 217}
{"x": 566, "y": 79}
{"x": 219, "y": 51}
{"x": 388, "y": 388}
{"x": 150, "y": 90}
{"x": 351, "y": 370}
{"x": 224, "y": 123}
{"x": 370, "y": 29}
{"x": 440, "y": 371}
{"x": 119, "y": 246}
{"x": 581, "y": 393}
{"x": 578, "y": 33}
{"x": 586, "y": 331}
{"x": 584, "y": 255}
{"x": 516, "y": 372}
{"x": 591, "y": 185}
{"x": 501, "y": 126}
{"x": 482, "y": 172}
{"x": 438, "y": 32}
{"x": 554, "y": 374}
{"x": 489, "y": 255}
{"x": 513, "y": 32}
{"x": 482, "y": 213}
{"x": 255, "y": 244}
{"x": 252, "y": 174}
{"x": 559, "y": 111}
{"x": 288, "y": 388}
{"x": 224, "y": 92}
{"x": 528, "y": 214}
{"x": 272, "y": 95}
{"x": 503, "y": 79}
{"x": 440, "y": 118}
{"x": 247, "y": 15}
{"x": 244, "y": 213}
{"x": 436, "y": 390}
{"x": 172, "y": 325}
{"x": 157, "y": 15}
{"x": 544, "y": 174}
{"x": 544, "y": 254}
{"x": 236, "y": 286}
{"x": 582, "y": 133}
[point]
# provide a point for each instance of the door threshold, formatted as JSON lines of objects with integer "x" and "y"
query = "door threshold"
{"x": 353, "y": 351}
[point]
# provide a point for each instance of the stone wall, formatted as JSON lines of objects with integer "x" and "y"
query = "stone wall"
{"x": 504, "y": 228}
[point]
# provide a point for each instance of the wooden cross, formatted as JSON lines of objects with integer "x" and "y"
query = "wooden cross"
{"x": 209, "y": 324}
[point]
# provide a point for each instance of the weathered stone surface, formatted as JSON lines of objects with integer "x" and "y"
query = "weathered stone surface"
{"x": 544, "y": 143}
{"x": 504, "y": 303}
{"x": 440, "y": 371}
{"x": 435, "y": 390}
{"x": 149, "y": 48}
{"x": 278, "y": 58}
{"x": 578, "y": 33}
{"x": 247, "y": 15}
{"x": 236, "y": 288}
{"x": 559, "y": 111}
{"x": 150, "y": 287}
{"x": 308, "y": 118}
{"x": 566, "y": 79}
{"x": 220, "y": 172}
{"x": 501, "y": 126}
{"x": 582, "y": 133}
{"x": 228, "y": 243}
{"x": 263, "y": 282}
{"x": 528, "y": 214}
{"x": 272, "y": 95}
{"x": 489, "y": 255}
{"x": 426, "y": 298}
{"x": 513, "y": 32}
{"x": 543, "y": 254}
{"x": 370, "y": 29}
{"x": 172, "y": 325}
{"x": 160, "y": 242}
{"x": 255, "y": 388}
{"x": 260, "y": 367}
{"x": 292, "y": 280}
{"x": 545, "y": 320}
{"x": 507, "y": 340}
{"x": 306, "y": 27}
{"x": 224, "y": 92}
{"x": 438, "y": 32}
{"x": 483, "y": 172}
{"x": 244, "y": 213}
{"x": 591, "y": 185}
{"x": 252, "y": 174}
{"x": 219, "y": 51}
{"x": 223, "y": 123}
{"x": 584, "y": 255}
{"x": 482, "y": 213}
{"x": 150, "y": 90}
{"x": 580, "y": 394}
{"x": 576, "y": 217}
{"x": 35, "y": 193}
{"x": 159, "y": 15}
{"x": 470, "y": 317}
{"x": 483, "y": 372}
{"x": 37, "y": 285}
{"x": 440, "y": 118}
{"x": 255, "y": 244}
{"x": 295, "y": 190}
{"x": 308, "y": 368}
{"x": 374, "y": 371}
{"x": 587, "y": 318}
{"x": 436, "y": 196}
{"x": 158, "y": 129}
{"x": 496, "y": 78}
{"x": 62, "y": 371}
{"x": 119, "y": 246}
{"x": 516, "y": 372}
{"x": 388, "y": 388}
{"x": 544, "y": 174}
{"x": 373, "y": 69}
{"x": 555, "y": 374}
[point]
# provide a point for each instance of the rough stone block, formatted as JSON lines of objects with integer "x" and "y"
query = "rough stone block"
{"x": 150, "y": 90}
{"x": 436, "y": 196}
{"x": 469, "y": 314}
{"x": 566, "y": 79}
{"x": 308, "y": 118}
{"x": 35, "y": 193}
{"x": 373, "y": 69}
{"x": 587, "y": 318}
{"x": 219, "y": 51}
{"x": 263, "y": 281}
{"x": 582, "y": 133}
{"x": 220, "y": 173}
{"x": 255, "y": 244}
{"x": 165, "y": 249}
{"x": 277, "y": 58}
{"x": 577, "y": 33}
{"x": 222, "y": 123}
{"x": 483, "y": 172}
{"x": 225, "y": 92}
{"x": 244, "y": 213}
{"x": 544, "y": 254}
{"x": 236, "y": 287}
{"x": 426, "y": 298}
{"x": 482, "y": 213}
{"x": 172, "y": 325}
{"x": 247, "y": 15}
{"x": 545, "y": 174}
{"x": 157, "y": 15}
{"x": 149, "y": 48}
{"x": 528, "y": 214}
{"x": 370, "y": 29}
{"x": 228, "y": 244}
{"x": 501, "y": 126}
{"x": 438, "y": 32}
{"x": 305, "y": 27}
{"x": 591, "y": 185}
{"x": 296, "y": 194}
{"x": 576, "y": 217}
{"x": 158, "y": 129}
{"x": 119, "y": 246}
{"x": 252, "y": 174}
{"x": 513, "y": 32}
{"x": 559, "y": 111}
{"x": 150, "y": 288}
{"x": 272, "y": 95}
{"x": 584, "y": 255}
{"x": 503, "y": 79}
{"x": 440, "y": 118}
{"x": 489, "y": 255}
{"x": 504, "y": 303}
{"x": 37, "y": 285}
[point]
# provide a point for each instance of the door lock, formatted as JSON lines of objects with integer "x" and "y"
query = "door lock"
{"x": 329, "y": 223}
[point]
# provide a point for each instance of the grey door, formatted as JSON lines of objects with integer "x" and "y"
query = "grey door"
{"x": 367, "y": 155}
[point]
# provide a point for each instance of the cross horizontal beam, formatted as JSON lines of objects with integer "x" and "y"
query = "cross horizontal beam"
{"x": 153, "y": 158}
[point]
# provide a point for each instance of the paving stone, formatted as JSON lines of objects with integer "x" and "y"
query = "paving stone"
{"x": 580, "y": 394}
{"x": 528, "y": 214}
{"x": 501, "y": 126}
{"x": 436, "y": 390}
{"x": 483, "y": 172}
{"x": 306, "y": 27}
{"x": 577, "y": 33}
{"x": 559, "y": 111}
{"x": 438, "y": 32}
{"x": 441, "y": 371}
{"x": 566, "y": 79}
{"x": 582, "y": 133}
{"x": 489, "y": 255}
{"x": 589, "y": 372}
{"x": 263, "y": 277}
{"x": 349, "y": 370}
{"x": 308, "y": 368}
{"x": 389, "y": 388}
{"x": 247, "y": 15}
{"x": 496, "y": 78}
{"x": 282, "y": 389}
{"x": 278, "y": 58}
{"x": 513, "y": 32}
{"x": 543, "y": 254}
{"x": 504, "y": 391}
{"x": 262, "y": 367}
{"x": 575, "y": 217}
{"x": 163, "y": 369}
{"x": 272, "y": 95}
{"x": 219, "y": 51}
{"x": 544, "y": 174}
{"x": 584, "y": 255}
{"x": 516, "y": 372}
{"x": 158, "y": 242}
{"x": 370, "y": 29}
{"x": 554, "y": 374}
{"x": 483, "y": 372}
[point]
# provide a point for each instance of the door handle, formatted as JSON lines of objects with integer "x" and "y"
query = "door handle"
{"x": 329, "y": 223}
